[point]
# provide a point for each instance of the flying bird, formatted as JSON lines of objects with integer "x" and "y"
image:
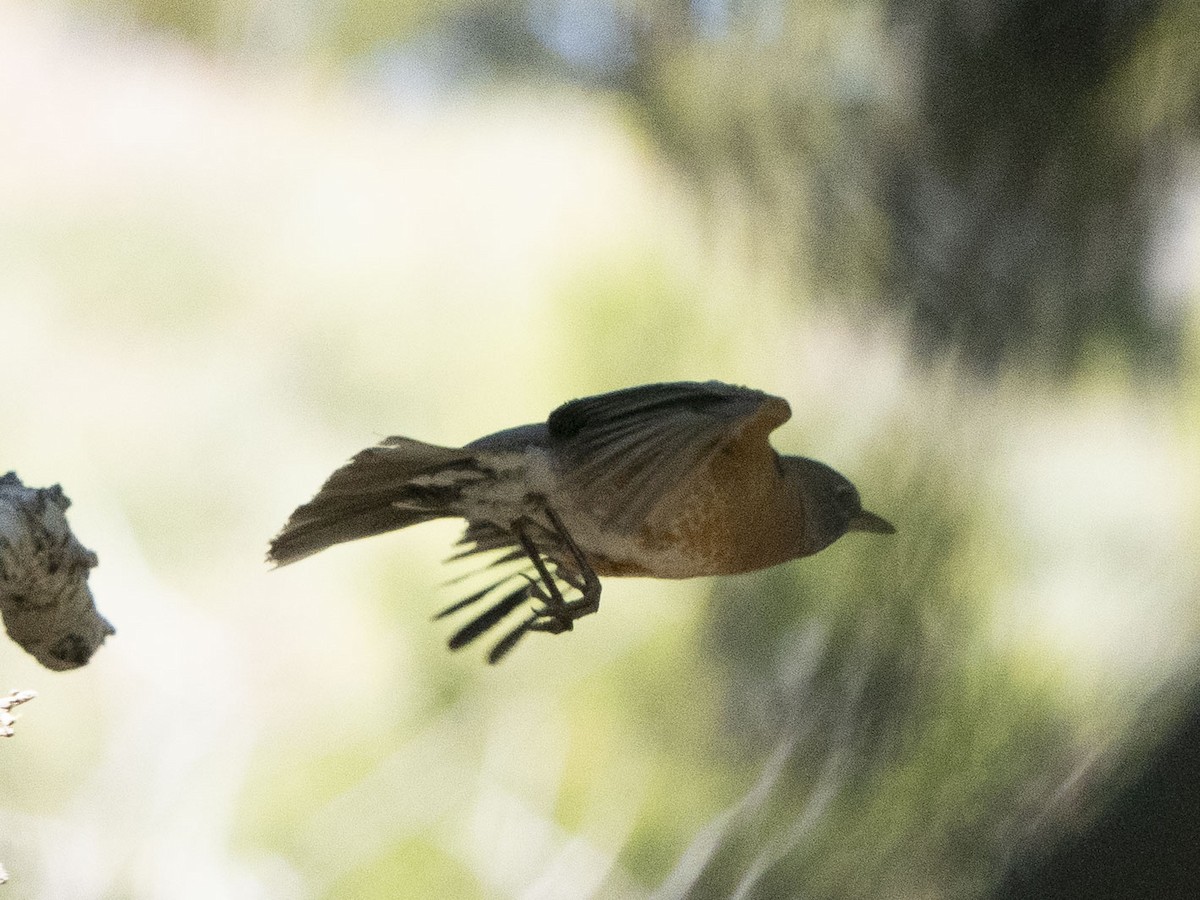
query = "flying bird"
{"x": 672, "y": 480}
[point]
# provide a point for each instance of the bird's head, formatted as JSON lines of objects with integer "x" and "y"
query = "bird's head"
{"x": 830, "y": 502}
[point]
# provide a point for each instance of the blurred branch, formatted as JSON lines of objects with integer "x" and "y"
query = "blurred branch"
{"x": 44, "y": 598}
{"x": 995, "y": 173}
{"x": 1143, "y": 844}
{"x": 1024, "y": 207}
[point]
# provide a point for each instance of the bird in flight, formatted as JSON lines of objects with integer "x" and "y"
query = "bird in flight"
{"x": 672, "y": 480}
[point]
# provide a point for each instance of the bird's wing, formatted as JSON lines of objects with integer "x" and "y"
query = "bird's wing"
{"x": 619, "y": 454}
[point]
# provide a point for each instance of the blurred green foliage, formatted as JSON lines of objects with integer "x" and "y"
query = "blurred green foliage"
{"x": 992, "y": 170}
{"x": 933, "y": 227}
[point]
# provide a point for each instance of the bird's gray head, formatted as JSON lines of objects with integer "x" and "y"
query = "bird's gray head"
{"x": 831, "y": 504}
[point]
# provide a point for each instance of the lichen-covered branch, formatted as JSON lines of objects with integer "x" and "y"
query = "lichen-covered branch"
{"x": 44, "y": 597}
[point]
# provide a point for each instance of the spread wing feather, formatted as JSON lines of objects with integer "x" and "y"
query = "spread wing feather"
{"x": 619, "y": 454}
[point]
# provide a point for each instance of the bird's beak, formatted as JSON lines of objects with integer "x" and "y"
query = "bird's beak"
{"x": 868, "y": 521}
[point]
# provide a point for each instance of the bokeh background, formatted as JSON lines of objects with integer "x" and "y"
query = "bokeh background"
{"x": 241, "y": 240}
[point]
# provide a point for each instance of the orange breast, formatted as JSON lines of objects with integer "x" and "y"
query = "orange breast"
{"x": 734, "y": 515}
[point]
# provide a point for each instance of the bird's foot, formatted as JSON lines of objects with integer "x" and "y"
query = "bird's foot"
{"x": 557, "y": 617}
{"x": 557, "y": 614}
{"x": 553, "y": 616}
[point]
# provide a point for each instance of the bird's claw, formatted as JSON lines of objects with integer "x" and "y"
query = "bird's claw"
{"x": 559, "y": 616}
{"x": 553, "y": 616}
{"x": 550, "y": 624}
{"x": 552, "y": 613}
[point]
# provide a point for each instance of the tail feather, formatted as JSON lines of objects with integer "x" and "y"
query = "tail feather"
{"x": 489, "y": 617}
{"x": 367, "y": 496}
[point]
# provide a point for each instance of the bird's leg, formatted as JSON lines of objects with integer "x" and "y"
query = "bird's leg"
{"x": 552, "y": 616}
{"x": 554, "y": 611}
{"x": 558, "y": 614}
{"x": 590, "y": 586}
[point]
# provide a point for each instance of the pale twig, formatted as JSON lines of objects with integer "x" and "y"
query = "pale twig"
{"x": 15, "y": 698}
